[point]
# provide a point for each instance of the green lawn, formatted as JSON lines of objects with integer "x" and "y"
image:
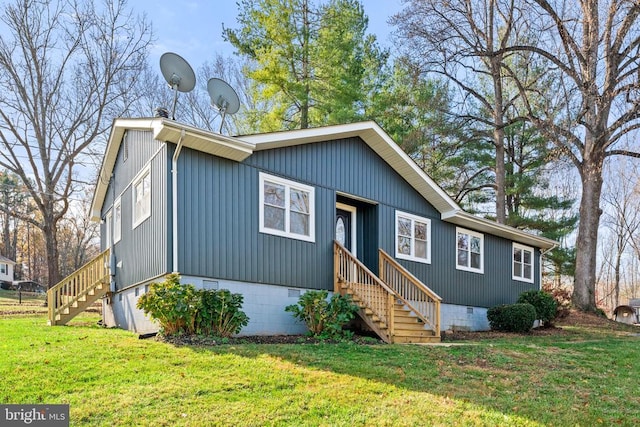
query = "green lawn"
{"x": 110, "y": 377}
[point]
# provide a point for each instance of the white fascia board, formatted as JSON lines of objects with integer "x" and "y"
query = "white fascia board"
{"x": 376, "y": 138}
{"x": 167, "y": 131}
{"x": 201, "y": 140}
{"x": 465, "y": 219}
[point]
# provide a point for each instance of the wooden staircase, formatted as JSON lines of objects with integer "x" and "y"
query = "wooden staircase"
{"x": 396, "y": 305}
{"x": 78, "y": 291}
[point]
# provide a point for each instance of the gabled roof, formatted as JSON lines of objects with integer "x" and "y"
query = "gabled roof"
{"x": 168, "y": 131}
{"x": 6, "y": 260}
{"x": 378, "y": 140}
{"x": 239, "y": 148}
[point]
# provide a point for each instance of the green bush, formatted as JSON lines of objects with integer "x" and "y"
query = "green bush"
{"x": 512, "y": 317}
{"x": 545, "y": 305}
{"x": 181, "y": 309}
{"x": 220, "y": 313}
{"x": 325, "y": 319}
{"x": 172, "y": 304}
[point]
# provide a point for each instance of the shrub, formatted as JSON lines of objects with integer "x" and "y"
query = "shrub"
{"x": 512, "y": 317}
{"x": 325, "y": 319}
{"x": 219, "y": 313}
{"x": 546, "y": 307}
{"x": 562, "y": 297}
{"x": 172, "y": 304}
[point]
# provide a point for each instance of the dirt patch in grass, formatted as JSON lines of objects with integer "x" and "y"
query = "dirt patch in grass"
{"x": 564, "y": 326}
{"x": 560, "y": 327}
{"x": 258, "y": 339}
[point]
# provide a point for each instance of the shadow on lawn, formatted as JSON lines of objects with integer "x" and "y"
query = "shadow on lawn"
{"x": 545, "y": 379}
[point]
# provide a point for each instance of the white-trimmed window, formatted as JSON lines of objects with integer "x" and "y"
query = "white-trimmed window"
{"x": 141, "y": 190}
{"x": 4, "y": 268}
{"x": 469, "y": 250}
{"x": 413, "y": 237}
{"x": 117, "y": 220}
{"x": 522, "y": 263}
{"x": 108, "y": 223}
{"x": 287, "y": 208}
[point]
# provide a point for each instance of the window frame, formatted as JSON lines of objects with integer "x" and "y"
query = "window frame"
{"x": 108, "y": 229}
{"x": 413, "y": 218}
{"x": 468, "y": 266}
{"x": 4, "y": 268}
{"x": 513, "y": 263}
{"x": 288, "y": 185}
{"x": 137, "y": 180}
{"x": 117, "y": 225}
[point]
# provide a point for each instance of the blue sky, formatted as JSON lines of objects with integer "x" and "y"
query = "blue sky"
{"x": 193, "y": 29}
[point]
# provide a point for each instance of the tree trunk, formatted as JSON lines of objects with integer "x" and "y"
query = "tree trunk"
{"x": 304, "y": 109}
{"x": 50, "y": 233}
{"x": 498, "y": 137}
{"x": 584, "y": 297}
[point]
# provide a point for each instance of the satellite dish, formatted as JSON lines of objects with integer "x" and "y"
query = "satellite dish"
{"x": 223, "y": 97}
{"x": 179, "y": 74}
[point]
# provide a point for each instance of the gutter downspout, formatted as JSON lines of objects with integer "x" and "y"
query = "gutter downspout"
{"x": 174, "y": 199}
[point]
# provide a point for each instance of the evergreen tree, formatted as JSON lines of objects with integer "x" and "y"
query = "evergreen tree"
{"x": 313, "y": 64}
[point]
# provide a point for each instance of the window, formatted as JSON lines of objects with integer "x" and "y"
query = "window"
{"x": 286, "y": 208}
{"x": 413, "y": 237}
{"x": 4, "y": 269}
{"x": 107, "y": 229}
{"x": 522, "y": 263}
{"x": 142, "y": 197}
{"x": 469, "y": 251}
{"x": 117, "y": 220}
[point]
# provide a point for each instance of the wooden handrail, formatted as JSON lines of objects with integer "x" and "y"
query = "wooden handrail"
{"x": 369, "y": 288}
{"x": 414, "y": 294}
{"x": 77, "y": 285}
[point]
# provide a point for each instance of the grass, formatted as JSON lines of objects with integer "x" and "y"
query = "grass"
{"x": 588, "y": 376}
{"x": 12, "y": 304}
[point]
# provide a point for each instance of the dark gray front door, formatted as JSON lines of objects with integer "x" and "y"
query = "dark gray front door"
{"x": 343, "y": 228}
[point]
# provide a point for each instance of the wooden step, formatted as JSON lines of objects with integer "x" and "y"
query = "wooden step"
{"x": 416, "y": 340}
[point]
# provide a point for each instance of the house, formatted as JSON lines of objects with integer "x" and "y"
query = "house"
{"x": 6, "y": 271}
{"x": 273, "y": 215}
{"x": 634, "y": 303}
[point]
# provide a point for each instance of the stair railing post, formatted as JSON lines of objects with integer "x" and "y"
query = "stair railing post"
{"x": 392, "y": 313}
{"x": 336, "y": 268}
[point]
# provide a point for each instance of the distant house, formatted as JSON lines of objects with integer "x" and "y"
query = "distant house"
{"x": 635, "y": 304}
{"x": 273, "y": 215}
{"x": 6, "y": 270}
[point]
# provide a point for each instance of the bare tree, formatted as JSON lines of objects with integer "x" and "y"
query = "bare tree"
{"x": 66, "y": 69}
{"x": 465, "y": 41}
{"x": 592, "y": 49}
{"x": 622, "y": 219}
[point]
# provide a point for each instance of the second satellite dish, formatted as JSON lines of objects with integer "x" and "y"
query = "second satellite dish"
{"x": 223, "y": 97}
{"x": 179, "y": 74}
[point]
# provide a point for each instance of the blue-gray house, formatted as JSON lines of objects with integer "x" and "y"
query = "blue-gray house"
{"x": 270, "y": 216}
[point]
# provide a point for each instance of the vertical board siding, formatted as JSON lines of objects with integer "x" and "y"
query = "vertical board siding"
{"x": 219, "y": 237}
{"x": 142, "y": 253}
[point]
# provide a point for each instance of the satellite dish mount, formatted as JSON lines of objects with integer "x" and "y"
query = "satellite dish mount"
{"x": 223, "y": 97}
{"x": 179, "y": 74}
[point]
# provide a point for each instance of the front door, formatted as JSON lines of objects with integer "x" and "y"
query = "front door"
{"x": 345, "y": 226}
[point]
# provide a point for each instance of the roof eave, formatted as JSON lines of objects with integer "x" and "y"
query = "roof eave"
{"x": 381, "y": 143}
{"x": 164, "y": 130}
{"x": 465, "y": 219}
